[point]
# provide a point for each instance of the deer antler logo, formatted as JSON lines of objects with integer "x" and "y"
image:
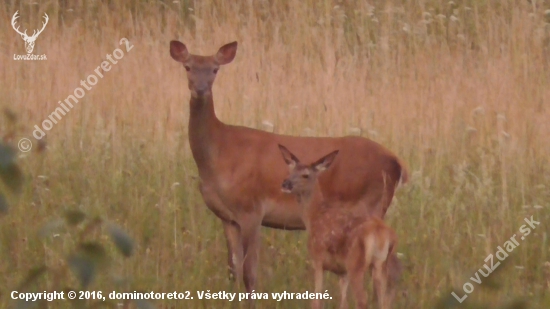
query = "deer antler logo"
{"x": 29, "y": 40}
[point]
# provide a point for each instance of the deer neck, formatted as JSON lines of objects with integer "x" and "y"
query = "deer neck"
{"x": 204, "y": 128}
{"x": 311, "y": 202}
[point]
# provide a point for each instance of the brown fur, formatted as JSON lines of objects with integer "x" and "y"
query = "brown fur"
{"x": 340, "y": 242}
{"x": 240, "y": 170}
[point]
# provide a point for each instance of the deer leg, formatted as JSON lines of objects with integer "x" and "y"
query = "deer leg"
{"x": 234, "y": 251}
{"x": 344, "y": 282}
{"x": 374, "y": 288}
{"x": 357, "y": 285}
{"x": 231, "y": 229}
{"x": 251, "y": 245}
{"x": 318, "y": 275}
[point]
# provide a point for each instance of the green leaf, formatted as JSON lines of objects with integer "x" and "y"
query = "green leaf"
{"x": 32, "y": 276}
{"x": 84, "y": 269}
{"x": 4, "y": 207}
{"x": 90, "y": 256}
{"x": 7, "y": 156}
{"x": 52, "y": 227}
{"x": 123, "y": 242}
{"x": 143, "y": 304}
{"x": 10, "y": 115}
{"x": 10, "y": 173}
{"x": 74, "y": 217}
{"x": 12, "y": 176}
{"x": 94, "y": 251}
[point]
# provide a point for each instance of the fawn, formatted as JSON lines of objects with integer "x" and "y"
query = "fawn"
{"x": 339, "y": 241}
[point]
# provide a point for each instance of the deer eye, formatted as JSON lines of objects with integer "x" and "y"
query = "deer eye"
{"x": 215, "y": 70}
{"x": 306, "y": 176}
{"x": 187, "y": 68}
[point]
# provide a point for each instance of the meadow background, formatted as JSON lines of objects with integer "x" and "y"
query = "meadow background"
{"x": 458, "y": 89}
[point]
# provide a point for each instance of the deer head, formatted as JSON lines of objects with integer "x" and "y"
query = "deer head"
{"x": 202, "y": 70}
{"x": 29, "y": 40}
{"x": 302, "y": 177}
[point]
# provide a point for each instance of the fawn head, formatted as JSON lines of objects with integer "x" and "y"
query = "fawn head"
{"x": 302, "y": 177}
{"x": 202, "y": 70}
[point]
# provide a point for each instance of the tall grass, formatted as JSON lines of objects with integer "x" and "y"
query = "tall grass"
{"x": 458, "y": 89}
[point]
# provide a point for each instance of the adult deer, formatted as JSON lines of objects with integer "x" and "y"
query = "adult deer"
{"x": 338, "y": 240}
{"x": 240, "y": 169}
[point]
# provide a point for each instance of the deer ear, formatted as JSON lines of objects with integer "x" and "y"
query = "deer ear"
{"x": 226, "y": 53}
{"x": 289, "y": 158}
{"x": 178, "y": 51}
{"x": 325, "y": 162}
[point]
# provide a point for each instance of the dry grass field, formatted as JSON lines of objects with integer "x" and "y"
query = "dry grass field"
{"x": 460, "y": 90}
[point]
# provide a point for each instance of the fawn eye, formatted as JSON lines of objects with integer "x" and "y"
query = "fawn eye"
{"x": 306, "y": 176}
{"x": 215, "y": 70}
{"x": 187, "y": 68}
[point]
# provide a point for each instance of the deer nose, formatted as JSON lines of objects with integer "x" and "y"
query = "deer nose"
{"x": 286, "y": 186}
{"x": 201, "y": 90}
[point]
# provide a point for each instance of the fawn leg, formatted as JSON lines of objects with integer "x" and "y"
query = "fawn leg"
{"x": 357, "y": 286}
{"x": 344, "y": 282}
{"x": 380, "y": 279}
{"x": 318, "y": 274}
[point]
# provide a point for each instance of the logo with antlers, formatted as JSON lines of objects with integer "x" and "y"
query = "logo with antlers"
{"x": 29, "y": 40}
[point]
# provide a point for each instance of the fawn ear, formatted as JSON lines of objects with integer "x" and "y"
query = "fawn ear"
{"x": 178, "y": 51}
{"x": 325, "y": 162}
{"x": 289, "y": 158}
{"x": 226, "y": 53}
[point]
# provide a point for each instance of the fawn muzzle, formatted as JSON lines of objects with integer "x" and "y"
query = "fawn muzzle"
{"x": 286, "y": 186}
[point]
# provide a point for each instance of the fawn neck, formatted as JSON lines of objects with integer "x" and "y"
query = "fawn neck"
{"x": 203, "y": 129}
{"x": 311, "y": 202}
